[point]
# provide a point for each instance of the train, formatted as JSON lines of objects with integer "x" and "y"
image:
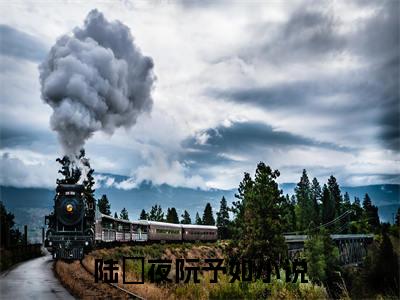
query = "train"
{"x": 76, "y": 226}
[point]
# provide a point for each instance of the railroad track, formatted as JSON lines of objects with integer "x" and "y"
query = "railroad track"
{"x": 114, "y": 285}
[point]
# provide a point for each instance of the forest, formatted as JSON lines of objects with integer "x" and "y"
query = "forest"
{"x": 260, "y": 215}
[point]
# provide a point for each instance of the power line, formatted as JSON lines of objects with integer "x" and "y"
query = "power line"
{"x": 326, "y": 224}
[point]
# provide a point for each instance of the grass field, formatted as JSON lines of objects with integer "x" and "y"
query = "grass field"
{"x": 277, "y": 289}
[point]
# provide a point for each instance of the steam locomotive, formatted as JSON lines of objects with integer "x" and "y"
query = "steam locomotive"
{"x": 71, "y": 225}
{"x": 76, "y": 226}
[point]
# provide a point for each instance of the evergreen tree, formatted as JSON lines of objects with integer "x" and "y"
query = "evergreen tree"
{"x": 6, "y": 225}
{"x": 316, "y": 196}
{"x": 382, "y": 267}
{"x": 258, "y": 215}
{"x": 244, "y": 193}
{"x": 358, "y": 224}
{"x": 156, "y": 213}
{"x": 124, "y": 214}
{"x": 65, "y": 163}
{"x": 398, "y": 217}
{"x": 89, "y": 181}
{"x": 328, "y": 205}
{"x": 346, "y": 206}
{"x": 223, "y": 219}
{"x": 186, "y": 218}
{"x": 115, "y": 215}
{"x": 356, "y": 207}
{"x": 305, "y": 206}
{"x": 293, "y": 206}
{"x": 288, "y": 215}
{"x": 323, "y": 261}
{"x": 198, "y": 220}
{"x": 172, "y": 216}
{"x": 143, "y": 215}
{"x": 336, "y": 195}
{"x": 371, "y": 213}
{"x": 208, "y": 218}
{"x": 104, "y": 205}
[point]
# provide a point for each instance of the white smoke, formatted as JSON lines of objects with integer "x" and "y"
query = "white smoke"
{"x": 95, "y": 79}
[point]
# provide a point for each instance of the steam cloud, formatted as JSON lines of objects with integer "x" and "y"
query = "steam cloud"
{"x": 95, "y": 79}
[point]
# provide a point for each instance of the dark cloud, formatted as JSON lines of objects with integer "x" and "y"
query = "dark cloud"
{"x": 17, "y": 136}
{"x": 380, "y": 44}
{"x": 309, "y": 34}
{"x": 19, "y": 44}
{"x": 303, "y": 94}
{"x": 243, "y": 138}
{"x": 367, "y": 97}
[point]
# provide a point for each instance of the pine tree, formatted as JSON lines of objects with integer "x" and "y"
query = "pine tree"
{"x": 65, "y": 163}
{"x": 398, "y": 217}
{"x": 244, "y": 193}
{"x": 316, "y": 196}
{"x": 328, "y": 205}
{"x": 356, "y": 207}
{"x": 156, "y": 213}
{"x": 323, "y": 258}
{"x": 288, "y": 215}
{"x": 347, "y": 207}
{"x": 336, "y": 195}
{"x": 382, "y": 267}
{"x": 143, "y": 215}
{"x": 186, "y": 218}
{"x": 198, "y": 220}
{"x": 305, "y": 205}
{"x": 371, "y": 213}
{"x": 124, "y": 214}
{"x": 6, "y": 224}
{"x": 223, "y": 219}
{"x": 208, "y": 218}
{"x": 115, "y": 215}
{"x": 172, "y": 216}
{"x": 358, "y": 224}
{"x": 104, "y": 205}
{"x": 258, "y": 215}
{"x": 346, "y": 202}
{"x": 89, "y": 182}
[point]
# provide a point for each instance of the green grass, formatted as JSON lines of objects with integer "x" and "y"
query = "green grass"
{"x": 277, "y": 289}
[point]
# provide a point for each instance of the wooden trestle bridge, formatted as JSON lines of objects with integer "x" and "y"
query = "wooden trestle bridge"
{"x": 352, "y": 247}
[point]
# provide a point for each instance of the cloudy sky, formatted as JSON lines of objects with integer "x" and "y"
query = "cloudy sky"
{"x": 294, "y": 84}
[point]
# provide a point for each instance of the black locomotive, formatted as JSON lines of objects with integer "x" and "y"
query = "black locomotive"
{"x": 70, "y": 230}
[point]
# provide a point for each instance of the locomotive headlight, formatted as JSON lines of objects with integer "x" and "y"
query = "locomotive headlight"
{"x": 86, "y": 243}
{"x": 69, "y": 208}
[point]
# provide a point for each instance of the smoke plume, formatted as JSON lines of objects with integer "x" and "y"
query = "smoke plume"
{"x": 95, "y": 79}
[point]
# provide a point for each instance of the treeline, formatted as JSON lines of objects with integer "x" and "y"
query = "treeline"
{"x": 171, "y": 216}
{"x": 156, "y": 214}
{"x": 10, "y": 236}
{"x": 313, "y": 206}
{"x": 13, "y": 243}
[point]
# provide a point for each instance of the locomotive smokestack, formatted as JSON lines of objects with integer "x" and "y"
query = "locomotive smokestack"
{"x": 95, "y": 79}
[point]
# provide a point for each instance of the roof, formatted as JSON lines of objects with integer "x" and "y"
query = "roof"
{"x": 146, "y": 222}
{"x": 199, "y": 226}
{"x": 165, "y": 224}
{"x": 115, "y": 219}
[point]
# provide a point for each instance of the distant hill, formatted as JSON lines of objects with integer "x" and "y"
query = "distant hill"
{"x": 31, "y": 204}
